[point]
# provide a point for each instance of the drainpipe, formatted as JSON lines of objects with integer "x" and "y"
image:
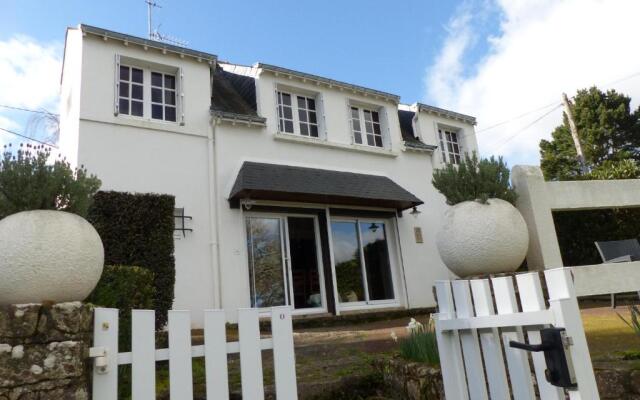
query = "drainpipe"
{"x": 213, "y": 214}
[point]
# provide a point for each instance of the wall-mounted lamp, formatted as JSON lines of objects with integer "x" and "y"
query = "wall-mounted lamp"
{"x": 248, "y": 203}
{"x": 415, "y": 212}
{"x": 373, "y": 227}
{"x": 179, "y": 221}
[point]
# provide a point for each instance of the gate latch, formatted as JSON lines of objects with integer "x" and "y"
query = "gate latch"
{"x": 100, "y": 362}
{"x": 555, "y": 344}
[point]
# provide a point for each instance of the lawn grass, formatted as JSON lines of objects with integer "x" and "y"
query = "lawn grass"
{"x": 608, "y": 336}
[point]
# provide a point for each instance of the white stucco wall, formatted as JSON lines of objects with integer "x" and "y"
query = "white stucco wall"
{"x": 130, "y": 154}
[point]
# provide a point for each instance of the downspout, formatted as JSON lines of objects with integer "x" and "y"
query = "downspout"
{"x": 404, "y": 276}
{"x": 213, "y": 214}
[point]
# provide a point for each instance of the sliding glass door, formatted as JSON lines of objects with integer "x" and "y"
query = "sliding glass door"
{"x": 284, "y": 261}
{"x": 361, "y": 261}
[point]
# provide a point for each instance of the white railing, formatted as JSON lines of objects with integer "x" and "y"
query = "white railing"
{"x": 144, "y": 355}
{"x": 473, "y": 335}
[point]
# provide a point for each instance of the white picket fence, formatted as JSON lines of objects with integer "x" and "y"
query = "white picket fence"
{"x": 144, "y": 355}
{"x": 469, "y": 332}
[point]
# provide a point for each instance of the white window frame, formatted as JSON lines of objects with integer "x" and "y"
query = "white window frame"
{"x": 362, "y": 109}
{"x": 392, "y": 248}
{"x": 163, "y": 94}
{"x": 147, "y": 69}
{"x": 450, "y": 146}
{"x": 295, "y": 110}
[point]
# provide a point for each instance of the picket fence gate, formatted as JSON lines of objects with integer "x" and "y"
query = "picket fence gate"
{"x": 144, "y": 355}
{"x": 469, "y": 331}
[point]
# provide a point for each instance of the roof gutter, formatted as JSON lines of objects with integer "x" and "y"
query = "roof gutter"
{"x": 447, "y": 114}
{"x": 377, "y": 94}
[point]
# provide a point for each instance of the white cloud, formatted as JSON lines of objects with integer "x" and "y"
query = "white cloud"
{"x": 542, "y": 48}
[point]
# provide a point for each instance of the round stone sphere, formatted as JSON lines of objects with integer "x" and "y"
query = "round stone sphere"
{"x": 48, "y": 256}
{"x": 481, "y": 238}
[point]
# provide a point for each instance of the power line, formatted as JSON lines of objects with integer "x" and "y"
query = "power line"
{"x": 29, "y": 138}
{"x": 529, "y": 125}
{"x": 555, "y": 103}
{"x": 27, "y": 110}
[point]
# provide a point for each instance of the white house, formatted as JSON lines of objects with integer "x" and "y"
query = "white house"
{"x": 303, "y": 190}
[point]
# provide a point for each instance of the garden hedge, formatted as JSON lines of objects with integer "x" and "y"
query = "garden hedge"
{"x": 124, "y": 287}
{"x": 137, "y": 229}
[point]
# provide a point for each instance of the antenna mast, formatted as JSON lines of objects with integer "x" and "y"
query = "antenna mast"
{"x": 154, "y": 34}
{"x": 150, "y": 5}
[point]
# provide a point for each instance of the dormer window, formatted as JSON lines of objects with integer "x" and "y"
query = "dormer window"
{"x": 297, "y": 114}
{"x": 449, "y": 145}
{"x": 365, "y": 124}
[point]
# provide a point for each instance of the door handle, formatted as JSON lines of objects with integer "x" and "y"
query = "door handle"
{"x": 528, "y": 347}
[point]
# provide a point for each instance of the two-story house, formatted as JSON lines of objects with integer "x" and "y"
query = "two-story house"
{"x": 303, "y": 190}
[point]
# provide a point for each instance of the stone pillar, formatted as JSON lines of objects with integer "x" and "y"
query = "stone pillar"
{"x": 44, "y": 350}
{"x": 544, "y": 251}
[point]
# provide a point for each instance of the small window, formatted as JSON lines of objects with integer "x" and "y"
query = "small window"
{"x": 130, "y": 96}
{"x": 449, "y": 146}
{"x": 366, "y": 127}
{"x": 163, "y": 96}
{"x": 297, "y": 114}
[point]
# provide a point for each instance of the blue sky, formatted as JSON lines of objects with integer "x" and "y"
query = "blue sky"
{"x": 494, "y": 59}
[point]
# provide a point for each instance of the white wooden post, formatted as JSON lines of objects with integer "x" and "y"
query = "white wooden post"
{"x": 564, "y": 304}
{"x": 531, "y": 298}
{"x": 215, "y": 355}
{"x": 455, "y": 386}
{"x": 143, "y": 355}
{"x": 250, "y": 354}
{"x": 469, "y": 340}
{"x": 180, "y": 368}
{"x": 517, "y": 360}
{"x": 284, "y": 360}
{"x": 490, "y": 340}
{"x": 105, "y": 335}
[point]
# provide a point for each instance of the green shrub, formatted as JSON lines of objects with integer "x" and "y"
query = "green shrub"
{"x": 634, "y": 323}
{"x": 124, "y": 287}
{"x": 30, "y": 181}
{"x": 421, "y": 344}
{"x": 137, "y": 229}
{"x": 474, "y": 179}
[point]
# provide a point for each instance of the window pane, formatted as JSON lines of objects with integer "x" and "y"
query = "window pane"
{"x": 449, "y": 147}
{"x": 454, "y": 137}
{"x": 136, "y": 92}
{"x": 314, "y": 130}
{"x": 288, "y": 126}
{"x": 123, "y": 106}
{"x": 356, "y": 125}
{"x": 311, "y": 104}
{"x": 354, "y": 113}
{"x": 136, "y": 75}
{"x": 302, "y": 115}
{"x": 376, "y": 129}
{"x": 347, "y": 261}
{"x": 124, "y": 73}
{"x": 156, "y": 111}
{"x": 375, "y": 116}
{"x": 170, "y": 81}
{"x": 302, "y": 103}
{"x": 378, "y": 141}
{"x": 286, "y": 99}
{"x": 376, "y": 260}
{"x": 264, "y": 247}
{"x": 156, "y": 79}
{"x": 367, "y": 115}
{"x": 370, "y": 141}
{"x": 287, "y": 112}
{"x": 312, "y": 117}
{"x": 169, "y": 97}
{"x": 136, "y": 108}
{"x": 170, "y": 114}
{"x": 281, "y": 125}
{"x": 304, "y": 263}
{"x": 457, "y": 159}
{"x": 357, "y": 137}
{"x": 304, "y": 129}
{"x": 156, "y": 95}
{"x": 369, "y": 126}
{"x": 124, "y": 89}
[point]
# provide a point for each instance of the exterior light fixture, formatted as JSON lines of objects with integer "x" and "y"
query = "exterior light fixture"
{"x": 179, "y": 221}
{"x": 373, "y": 227}
{"x": 415, "y": 212}
{"x": 248, "y": 203}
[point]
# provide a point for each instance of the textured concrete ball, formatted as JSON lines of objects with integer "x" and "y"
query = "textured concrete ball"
{"x": 48, "y": 256}
{"x": 481, "y": 238}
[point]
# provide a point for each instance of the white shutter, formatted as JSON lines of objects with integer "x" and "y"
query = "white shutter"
{"x": 116, "y": 92}
{"x": 384, "y": 128}
{"x": 181, "y": 103}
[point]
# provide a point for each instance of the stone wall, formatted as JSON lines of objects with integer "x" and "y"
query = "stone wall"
{"x": 43, "y": 351}
{"x": 407, "y": 380}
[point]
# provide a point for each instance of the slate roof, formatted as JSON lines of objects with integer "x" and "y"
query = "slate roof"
{"x": 409, "y": 137}
{"x": 276, "y": 182}
{"x": 234, "y": 96}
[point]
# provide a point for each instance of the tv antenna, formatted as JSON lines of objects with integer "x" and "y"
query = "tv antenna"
{"x": 154, "y": 34}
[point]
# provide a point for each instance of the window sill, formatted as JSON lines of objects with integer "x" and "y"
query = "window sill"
{"x": 321, "y": 142}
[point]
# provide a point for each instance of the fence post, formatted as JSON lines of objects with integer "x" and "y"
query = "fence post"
{"x": 250, "y": 354}
{"x": 105, "y": 335}
{"x": 563, "y": 301}
{"x": 284, "y": 360}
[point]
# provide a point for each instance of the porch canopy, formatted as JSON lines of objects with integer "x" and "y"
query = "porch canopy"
{"x": 260, "y": 181}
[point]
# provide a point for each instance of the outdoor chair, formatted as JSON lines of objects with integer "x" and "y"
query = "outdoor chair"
{"x": 616, "y": 251}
